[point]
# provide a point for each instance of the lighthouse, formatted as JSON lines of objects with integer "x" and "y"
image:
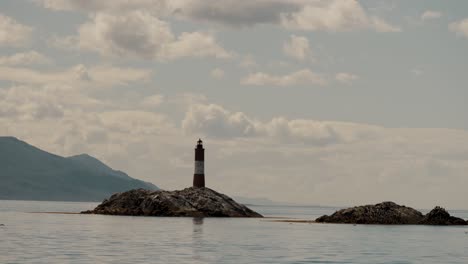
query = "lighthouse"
{"x": 199, "y": 175}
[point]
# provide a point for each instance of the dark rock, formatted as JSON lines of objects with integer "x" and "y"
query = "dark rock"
{"x": 439, "y": 216}
{"x": 388, "y": 213}
{"x": 192, "y": 202}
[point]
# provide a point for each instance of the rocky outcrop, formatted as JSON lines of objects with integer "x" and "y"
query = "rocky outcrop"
{"x": 390, "y": 213}
{"x": 439, "y": 216}
{"x": 191, "y": 202}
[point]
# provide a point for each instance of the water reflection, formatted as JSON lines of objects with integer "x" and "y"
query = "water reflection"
{"x": 197, "y": 238}
{"x": 197, "y": 220}
{"x": 197, "y": 234}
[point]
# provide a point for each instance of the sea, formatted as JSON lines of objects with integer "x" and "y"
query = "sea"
{"x": 29, "y": 233}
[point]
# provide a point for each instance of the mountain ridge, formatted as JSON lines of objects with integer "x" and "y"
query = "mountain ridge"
{"x": 29, "y": 173}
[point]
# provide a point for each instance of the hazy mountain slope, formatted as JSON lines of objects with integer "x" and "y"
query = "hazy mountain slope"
{"x": 28, "y": 173}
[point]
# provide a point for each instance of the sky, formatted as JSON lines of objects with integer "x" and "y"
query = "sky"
{"x": 336, "y": 102}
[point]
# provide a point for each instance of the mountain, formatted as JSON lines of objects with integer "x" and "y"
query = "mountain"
{"x": 28, "y": 173}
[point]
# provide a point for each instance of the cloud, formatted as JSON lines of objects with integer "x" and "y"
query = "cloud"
{"x": 153, "y": 100}
{"x": 227, "y": 12}
{"x": 301, "y": 131}
{"x": 23, "y": 103}
{"x": 248, "y": 62}
{"x": 301, "y": 77}
{"x": 115, "y": 6}
{"x": 195, "y": 44}
{"x": 297, "y": 48}
{"x": 215, "y": 121}
{"x": 460, "y": 27}
{"x": 142, "y": 35}
{"x": 346, "y": 78}
{"x": 429, "y": 14}
{"x": 336, "y": 15}
{"x": 217, "y": 73}
{"x": 25, "y": 58}
{"x": 237, "y": 13}
{"x": 135, "y": 122}
{"x": 137, "y": 34}
{"x": 12, "y": 33}
{"x": 78, "y": 75}
{"x": 40, "y": 102}
{"x": 417, "y": 72}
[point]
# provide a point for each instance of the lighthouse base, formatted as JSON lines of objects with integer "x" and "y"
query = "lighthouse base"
{"x": 199, "y": 180}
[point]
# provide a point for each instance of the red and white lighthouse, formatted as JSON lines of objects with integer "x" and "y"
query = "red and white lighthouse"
{"x": 199, "y": 175}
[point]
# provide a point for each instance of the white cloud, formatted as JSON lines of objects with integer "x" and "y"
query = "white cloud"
{"x": 142, "y": 35}
{"x": 137, "y": 34}
{"x": 336, "y": 15}
{"x": 460, "y": 27}
{"x": 301, "y": 77}
{"x": 429, "y": 14}
{"x": 226, "y": 12}
{"x": 64, "y": 43}
{"x": 215, "y": 121}
{"x": 135, "y": 122}
{"x": 417, "y": 72}
{"x": 217, "y": 73}
{"x": 78, "y": 75}
{"x": 111, "y": 75}
{"x": 153, "y": 100}
{"x": 236, "y": 13}
{"x": 248, "y": 61}
{"x": 194, "y": 44}
{"x": 346, "y": 78}
{"x": 27, "y": 102}
{"x": 380, "y": 25}
{"x": 25, "y": 58}
{"x": 12, "y": 33}
{"x": 298, "y": 48}
{"x": 115, "y": 6}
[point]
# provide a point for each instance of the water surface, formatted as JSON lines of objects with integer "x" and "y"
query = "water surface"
{"x": 72, "y": 238}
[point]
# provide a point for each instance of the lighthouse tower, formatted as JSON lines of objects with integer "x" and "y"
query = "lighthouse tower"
{"x": 199, "y": 176}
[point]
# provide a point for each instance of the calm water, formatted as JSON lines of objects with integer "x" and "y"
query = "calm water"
{"x": 60, "y": 238}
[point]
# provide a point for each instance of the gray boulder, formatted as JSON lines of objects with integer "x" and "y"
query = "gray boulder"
{"x": 439, "y": 216}
{"x": 388, "y": 213}
{"x": 191, "y": 202}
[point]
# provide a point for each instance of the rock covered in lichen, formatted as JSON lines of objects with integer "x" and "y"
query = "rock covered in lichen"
{"x": 390, "y": 213}
{"x": 439, "y": 216}
{"x": 192, "y": 202}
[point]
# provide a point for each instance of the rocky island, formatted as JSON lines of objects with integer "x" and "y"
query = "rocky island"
{"x": 196, "y": 201}
{"x": 190, "y": 202}
{"x": 390, "y": 213}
